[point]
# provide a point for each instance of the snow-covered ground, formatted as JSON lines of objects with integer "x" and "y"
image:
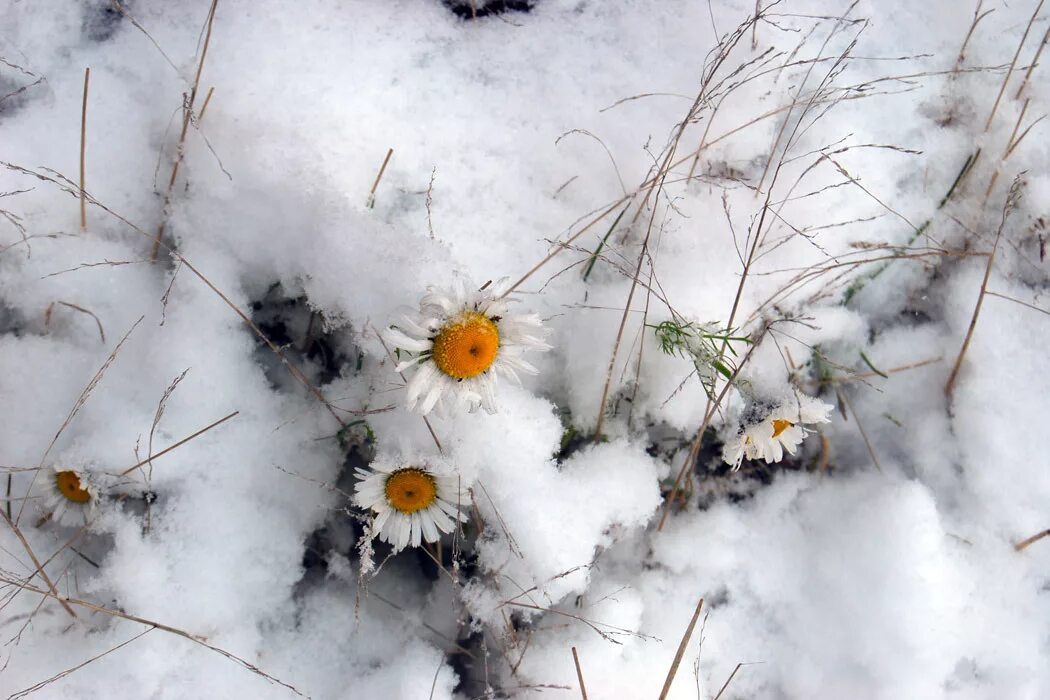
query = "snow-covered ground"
{"x": 725, "y": 229}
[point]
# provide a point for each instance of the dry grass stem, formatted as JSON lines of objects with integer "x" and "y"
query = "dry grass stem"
{"x": 579, "y": 673}
{"x": 59, "y": 676}
{"x": 681, "y": 651}
{"x": 81, "y": 309}
{"x": 204, "y": 107}
{"x": 1013, "y": 64}
{"x": 66, "y": 185}
{"x": 195, "y": 638}
{"x": 426, "y": 421}
{"x": 379, "y": 176}
{"x": 135, "y": 23}
{"x": 187, "y": 118}
{"x": 81, "y": 400}
{"x": 728, "y": 681}
{"x": 83, "y": 146}
{"x": 166, "y": 450}
{"x": 1031, "y": 540}
{"x": 1011, "y": 202}
{"x": 39, "y": 568}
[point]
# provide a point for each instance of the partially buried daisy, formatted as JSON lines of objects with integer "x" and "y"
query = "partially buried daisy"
{"x": 70, "y": 495}
{"x": 412, "y": 501}
{"x": 459, "y": 340}
{"x": 769, "y": 428}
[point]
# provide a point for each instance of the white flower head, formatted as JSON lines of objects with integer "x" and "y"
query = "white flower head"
{"x": 770, "y": 428}
{"x": 412, "y": 500}
{"x": 70, "y": 496}
{"x": 460, "y": 339}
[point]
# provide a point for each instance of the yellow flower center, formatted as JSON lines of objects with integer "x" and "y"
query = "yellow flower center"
{"x": 68, "y": 484}
{"x": 467, "y": 346}
{"x": 410, "y": 490}
{"x": 780, "y": 425}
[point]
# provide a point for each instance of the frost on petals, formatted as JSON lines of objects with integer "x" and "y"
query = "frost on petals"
{"x": 459, "y": 341}
{"x": 769, "y": 428}
{"x": 411, "y": 499}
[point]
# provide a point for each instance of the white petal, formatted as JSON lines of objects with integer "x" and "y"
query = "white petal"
{"x": 400, "y": 339}
{"x": 420, "y": 382}
{"x": 436, "y": 389}
{"x": 430, "y": 531}
{"x": 416, "y": 530}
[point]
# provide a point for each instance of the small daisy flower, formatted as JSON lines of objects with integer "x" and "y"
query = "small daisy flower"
{"x": 769, "y": 430}
{"x": 460, "y": 340}
{"x": 411, "y": 501}
{"x": 70, "y": 496}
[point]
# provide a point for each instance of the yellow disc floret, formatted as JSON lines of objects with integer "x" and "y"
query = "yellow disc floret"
{"x": 68, "y": 484}
{"x": 780, "y": 425}
{"x": 410, "y": 490}
{"x": 467, "y": 346}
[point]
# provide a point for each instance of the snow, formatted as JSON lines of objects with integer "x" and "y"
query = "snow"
{"x": 878, "y": 562}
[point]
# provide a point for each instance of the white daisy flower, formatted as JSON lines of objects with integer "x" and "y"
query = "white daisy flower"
{"x": 70, "y": 496}
{"x": 411, "y": 501}
{"x": 770, "y": 429}
{"x": 460, "y": 339}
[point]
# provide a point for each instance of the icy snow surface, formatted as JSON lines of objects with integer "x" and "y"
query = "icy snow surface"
{"x": 877, "y": 562}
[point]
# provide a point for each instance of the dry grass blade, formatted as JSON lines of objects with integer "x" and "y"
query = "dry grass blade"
{"x": 195, "y": 638}
{"x": 81, "y": 400}
{"x": 579, "y": 673}
{"x": 83, "y": 145}
{"x": 187, "y": 118}
{"x": 728, "y": 681}
{"x": 1031, "y": 540}
{"x": 160, "y": 414}
{"x": 1013, "y": 63}
{"x": 81, "y": 309}
{"x": 426, "y": 420}
{"x": 135, "y": 23}
{"x": 166, "y": 450}
{"x": 36, "y": 562}
{"x": 681, "y": 651}
{"x": 1011, "y": 202}
{"x": 860, "y": 428}
{"x": 59, "y": 676}
{"x": 67, "y": 186}
{"x": 379, "y": 176}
